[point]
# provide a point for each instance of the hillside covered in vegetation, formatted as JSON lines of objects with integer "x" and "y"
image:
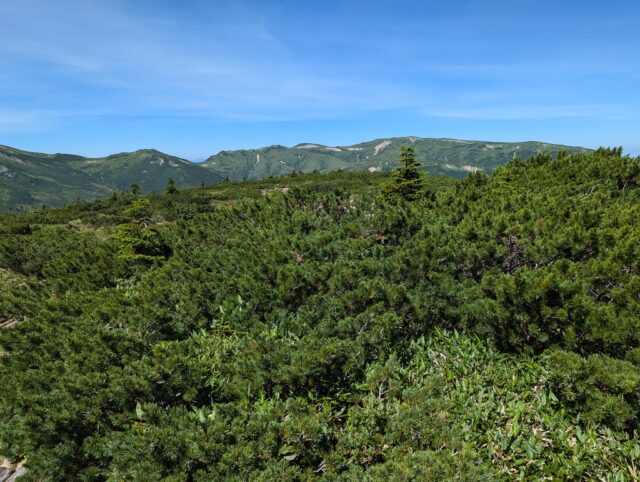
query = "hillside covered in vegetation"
{"x": 30, "y": 179}
{"x": 315, "y": 327}
{"x": 449, "y": 157}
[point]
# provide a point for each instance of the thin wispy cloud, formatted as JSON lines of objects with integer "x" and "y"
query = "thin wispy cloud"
{"x": 534, "y": 112}
{"x": 239, "y": 70}
{"x": 88, "y": 64}
{"x": 23, "y": 121}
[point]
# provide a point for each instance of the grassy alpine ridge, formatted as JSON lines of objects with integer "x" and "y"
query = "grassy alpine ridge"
{"x": 313, "y": 327}
{"x": 30, "y": 179}
{"x": 452, "y": 157}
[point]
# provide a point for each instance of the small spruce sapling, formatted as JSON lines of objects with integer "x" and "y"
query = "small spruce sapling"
{"x": 406, "y": 180}
{"x": 171, "y": 187}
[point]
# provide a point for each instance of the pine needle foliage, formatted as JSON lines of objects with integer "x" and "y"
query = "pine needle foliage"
{"x": 406, "y": 181}
{"x": 171, "y": 187}
{"x": 305, "y": 328}
{"x": 140, "y": 242}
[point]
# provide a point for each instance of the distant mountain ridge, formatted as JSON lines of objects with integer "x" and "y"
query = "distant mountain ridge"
{"x": 451, "y": 157}
{"x": 31, "y": 179}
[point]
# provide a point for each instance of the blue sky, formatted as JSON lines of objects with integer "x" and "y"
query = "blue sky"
{"x": 193, "y": 77}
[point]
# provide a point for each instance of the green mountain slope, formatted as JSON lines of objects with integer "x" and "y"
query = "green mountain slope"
{"x": 439, "y": 156}
{"x": 31, "y": 179}
{"x": 149, "y": 168}
{"x": 28, "y": 179}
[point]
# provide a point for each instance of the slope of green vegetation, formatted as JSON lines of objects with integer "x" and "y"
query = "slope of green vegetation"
{"x": 148, "y": 168}
{"x": 29, "y": 179}
{"x": 309, "y": 328}
{"x": 451, "y": 157}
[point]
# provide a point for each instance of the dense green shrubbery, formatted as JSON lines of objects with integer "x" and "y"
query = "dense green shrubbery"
{"x": 318, "y": 332}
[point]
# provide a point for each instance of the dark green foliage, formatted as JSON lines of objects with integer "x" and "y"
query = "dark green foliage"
{"x": 304, "y": 327}
{"x": 139, "y": 241}
{"x": 171, "y": 187}
{"x": 406, "y": 180}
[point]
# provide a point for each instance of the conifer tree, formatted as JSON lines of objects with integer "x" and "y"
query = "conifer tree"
{"x": 406, "y": 180}
{"x": 171, "y": 187}
{"x": 139, "y": 242}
